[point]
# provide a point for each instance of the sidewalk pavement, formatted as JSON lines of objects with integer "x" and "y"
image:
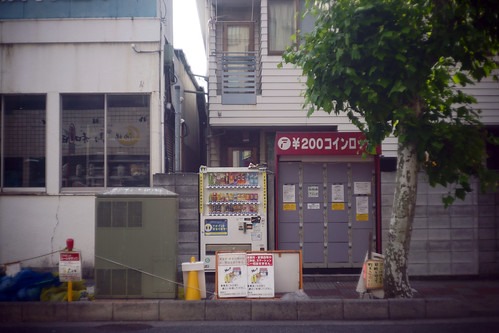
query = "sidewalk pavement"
{"x": 325, "y": 297}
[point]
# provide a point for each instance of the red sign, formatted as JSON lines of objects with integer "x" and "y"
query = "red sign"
{"x": 70, "y": 256}
{"x": 260, "y": 260}
{"x": 69, "y": 266}
{"x": 319, "y": 143}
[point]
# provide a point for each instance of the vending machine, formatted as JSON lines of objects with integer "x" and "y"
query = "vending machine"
{"x": 233, "y": 211}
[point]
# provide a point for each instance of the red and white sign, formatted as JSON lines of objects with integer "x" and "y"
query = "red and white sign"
{"x": 320, "y": 143}
{"x": 70, "y": 266}
{"x": 260, "y": 275}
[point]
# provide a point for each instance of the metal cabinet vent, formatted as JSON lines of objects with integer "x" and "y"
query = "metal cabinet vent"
{"x": 119, "y": 214}
{"x": 136, "y": 243}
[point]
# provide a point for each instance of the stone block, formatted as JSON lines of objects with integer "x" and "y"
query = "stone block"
{"x": 438, "y": 221}
{"x": 446, "y": 308}
{"x": 420, "y": 222}
{"x": 444, "y": 245}
{"x": 407, "y": 308}
{"x": 163, "y": 180}
{"x": 45, "y": 311}
{"x": 439, "y": 269}
{"x": 418, "y": 269}
{"x": 90, "y": 311}
{"x": 438, "y": 234}
{"x": 365, "y": 309}
{"x": 419, "y": 234}
{"x": 188, "y": 201}
{"x": 483, "y": 233}
{"x": 10, "y": 312}
{"x": 139, "y": 310}
{"x": 464, "y": 268}
{"x": 436, "y": 257}
{"x": 464, "y": 257}
{"x": 228, "y": 310}
{"x": 463, "y": 234}
{"x": 318, "y": 309}
{"x": 462, "y": 222}
{"x": 417, "y": 257}
{"x": 465, "y": 245}
{"x": 181, "y": 310}
{"x": 188, "y": 237}
{"x": 188, "y": 214}
{"x": 187, "y": 178}
{"x": 273, "y": 310}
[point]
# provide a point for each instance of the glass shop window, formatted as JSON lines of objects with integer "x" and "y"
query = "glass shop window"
{"x": 23, "y": 141}
{"x": 105, "y": 140}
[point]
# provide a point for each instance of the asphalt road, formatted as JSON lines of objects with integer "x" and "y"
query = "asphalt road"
{"x": 474, "y": 325}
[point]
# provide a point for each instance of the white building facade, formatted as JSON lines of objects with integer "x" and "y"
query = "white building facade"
{"x": 254, "y": 104}
{"x": 84, "y": 91}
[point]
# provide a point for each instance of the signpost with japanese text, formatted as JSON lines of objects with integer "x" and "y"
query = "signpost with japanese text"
{"x": 70, "y": 266}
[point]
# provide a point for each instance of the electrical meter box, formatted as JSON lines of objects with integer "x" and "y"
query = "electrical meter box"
{"x": 136, "y": 243}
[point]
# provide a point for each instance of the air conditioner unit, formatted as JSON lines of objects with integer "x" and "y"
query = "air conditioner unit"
{"x": 136, "y": 243}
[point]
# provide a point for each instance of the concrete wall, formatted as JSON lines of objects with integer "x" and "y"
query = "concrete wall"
{"x": 33, "y": 226}
{"x": 458, "y": 240}
{"x": 186, "y": 186}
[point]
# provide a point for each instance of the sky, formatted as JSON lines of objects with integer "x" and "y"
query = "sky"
{"x": 187, "y": 34}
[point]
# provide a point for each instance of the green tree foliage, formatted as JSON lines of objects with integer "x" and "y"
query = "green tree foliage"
{"x": 397, "y": 67}
{"x": 394, "y": 64}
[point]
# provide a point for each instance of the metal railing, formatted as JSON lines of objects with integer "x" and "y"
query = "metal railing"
{"x": 239, "y": 80}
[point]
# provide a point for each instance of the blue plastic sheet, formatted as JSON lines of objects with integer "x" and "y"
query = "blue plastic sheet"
{"x": 26, "y": 285}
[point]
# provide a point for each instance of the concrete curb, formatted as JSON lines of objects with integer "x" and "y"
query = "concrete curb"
{"x": 233, "y": 310}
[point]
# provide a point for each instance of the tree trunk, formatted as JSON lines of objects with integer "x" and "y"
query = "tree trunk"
{"x": 396, "y": 278}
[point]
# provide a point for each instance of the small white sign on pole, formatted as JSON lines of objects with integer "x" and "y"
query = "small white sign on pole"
{"x": 70, "y": 266}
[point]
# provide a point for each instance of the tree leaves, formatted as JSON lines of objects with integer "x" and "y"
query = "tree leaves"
{"x": 403, "y": 62}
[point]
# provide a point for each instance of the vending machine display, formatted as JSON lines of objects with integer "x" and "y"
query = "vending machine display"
{"x": 233, "y": 211}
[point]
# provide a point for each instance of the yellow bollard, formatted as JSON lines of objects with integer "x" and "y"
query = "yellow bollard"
{"x": 70, "y": 291}
{"x": 192, "y": 292}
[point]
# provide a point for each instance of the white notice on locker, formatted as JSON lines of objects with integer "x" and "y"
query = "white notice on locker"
{"x": 313, "y": 206}
{"x": 288, "y": 193}
{"x": 362, "y": 188}
{"x": 338, "y": 193}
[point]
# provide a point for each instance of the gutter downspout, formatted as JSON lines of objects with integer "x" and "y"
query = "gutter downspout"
{"x": 177, "y": 100}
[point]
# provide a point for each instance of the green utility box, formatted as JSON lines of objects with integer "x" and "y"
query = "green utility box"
{"x": 136, "y": 243}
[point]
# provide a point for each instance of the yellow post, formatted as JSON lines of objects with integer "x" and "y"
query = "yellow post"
{"x": 192, "y": 292}
{"x": 69, "y": 247}
{"x": 70, "y": 291}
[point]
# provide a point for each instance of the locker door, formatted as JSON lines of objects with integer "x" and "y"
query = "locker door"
{"x": 288, "y": 228}
{"x": 363, "y": 213}
{"x": 338, "y": 208}
{"x": 313, "y": 215}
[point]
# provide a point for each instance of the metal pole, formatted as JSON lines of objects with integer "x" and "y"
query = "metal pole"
{"x": 178, "y": 116}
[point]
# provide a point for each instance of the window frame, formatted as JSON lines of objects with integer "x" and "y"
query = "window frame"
{"x": 249, "y": 25}
{"x": 11, "y": 189}
{"x": 108, "y": 108}
{"x": 297, "y": 10}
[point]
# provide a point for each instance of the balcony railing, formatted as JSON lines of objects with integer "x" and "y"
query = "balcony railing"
{"x": 239, "y": 81}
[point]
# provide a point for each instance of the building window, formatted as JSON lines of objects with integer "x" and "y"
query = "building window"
{"x": 282, "y": 24}
{"x": 105, "y": 140}
{"x": 23, "y": 140}
{"x": 238, "y": 37}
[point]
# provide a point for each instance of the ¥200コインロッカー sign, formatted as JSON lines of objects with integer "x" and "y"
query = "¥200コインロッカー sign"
{"x": 320, "y": 143}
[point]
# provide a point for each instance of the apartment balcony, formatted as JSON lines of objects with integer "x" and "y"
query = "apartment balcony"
{"x": 238, "y": 77}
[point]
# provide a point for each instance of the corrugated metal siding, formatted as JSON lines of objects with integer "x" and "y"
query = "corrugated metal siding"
{"x": 486, "y": 93}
